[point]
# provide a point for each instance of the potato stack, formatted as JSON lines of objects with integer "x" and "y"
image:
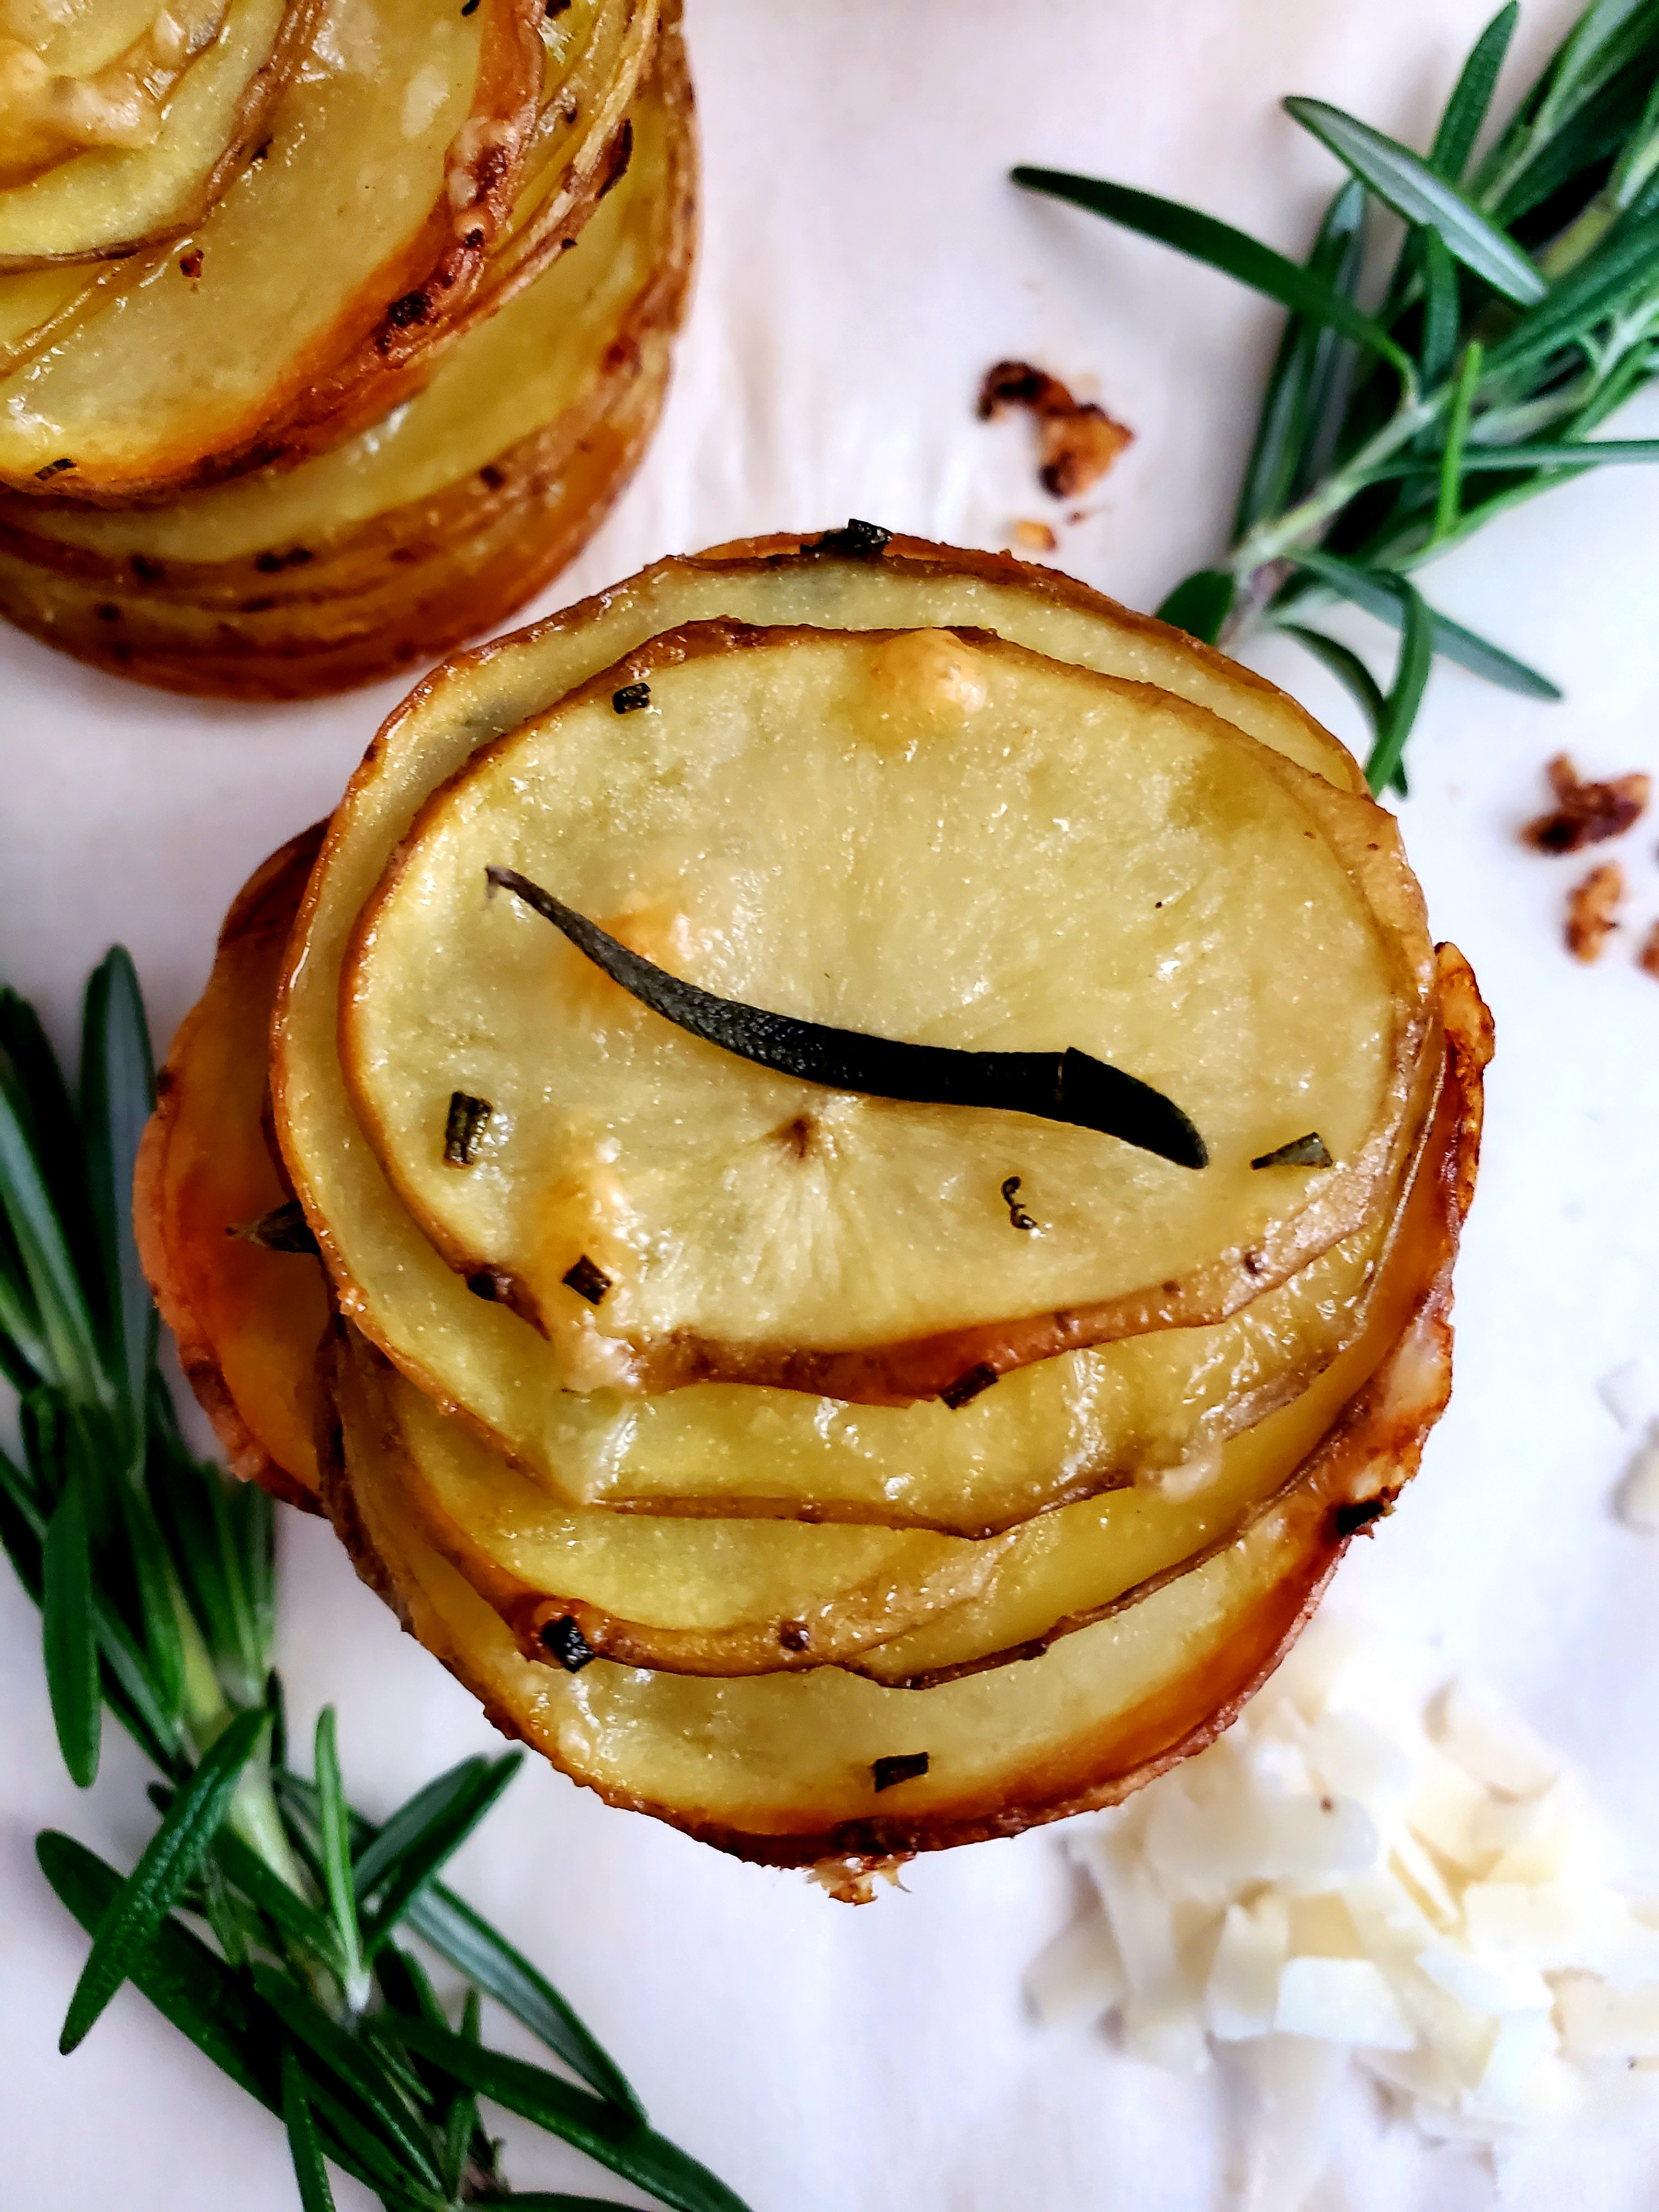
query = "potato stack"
{"x": 329, "y": 329}
{"x": 873, "y": 1144}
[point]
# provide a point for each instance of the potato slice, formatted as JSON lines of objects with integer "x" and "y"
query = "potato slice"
{"x": 935, "y": 836}
{"x": 723, "y": 1597}
{"x": 247, "y": 1319}
{"x": 267, "y": 350}
{"x": 387, "y": 1277}
{"x": 171, "y": 103}
{"x": 1055, "y": 1575}
{"x": 785, "y": 1769}
{"x": 293, "y": 582}
{"x": 1060, "y": 1431}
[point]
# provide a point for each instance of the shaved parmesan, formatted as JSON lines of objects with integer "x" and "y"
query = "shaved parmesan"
{"x": 1348, "y": 1878}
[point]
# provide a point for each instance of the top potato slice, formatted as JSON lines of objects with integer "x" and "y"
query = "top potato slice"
{"x": 401, "y": 141}
{"x": 136, "y": 119}
{"x": 388, "y": 1278}
{"x": 931, "y": 837}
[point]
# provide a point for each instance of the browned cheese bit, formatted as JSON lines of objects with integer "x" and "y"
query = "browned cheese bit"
{"x": 1593, "y": 910}
{"x": 1586, "y": 813}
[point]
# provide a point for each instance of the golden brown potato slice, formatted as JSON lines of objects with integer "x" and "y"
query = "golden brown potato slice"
{"x": 1061, "y": 1430}
{"x": 248, "y": 1319}
{"x": 787, "y": 1769}
{"x": 722, "y": 1597}
{"x": 405, "y": 141}
{"x": 937, "y": 837}
{"x": 541, "y": 1567}
{"x": 389, "y": 548}
{"x": 390, "y": 1281}
{"x": 121, "y": 126}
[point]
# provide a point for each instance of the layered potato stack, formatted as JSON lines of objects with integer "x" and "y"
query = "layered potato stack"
{"x": 329, "y": 329}
{"x": 833, "y": 1474}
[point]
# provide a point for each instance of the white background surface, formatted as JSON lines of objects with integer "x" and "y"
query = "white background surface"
{"x": 863, "y": 262}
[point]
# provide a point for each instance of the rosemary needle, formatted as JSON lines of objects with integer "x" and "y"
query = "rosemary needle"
{"x": 1522, "y": 309}
{"x": 156, "y": 1575}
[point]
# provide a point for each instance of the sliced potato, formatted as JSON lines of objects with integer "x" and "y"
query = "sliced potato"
{"x": 1052, "y": 1433}
{"x": 388, "y": 1278}
{"x": 1051, "y": 1577}
{"x": 785, "y": 1768}
{"x": 932, "y": 836}
{"x": 248, "y": 1320}
{"x": 405, "y": 141}
{"x": 168, "y": 104}
{"x": 293, "y": 582}
{"x": 723, "y": 1597}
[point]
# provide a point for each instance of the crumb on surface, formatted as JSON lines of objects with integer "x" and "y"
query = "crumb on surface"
{"x": 1077, "y": 441}
{"x": 1648, "y": 959}
{"x": 852, "y": 1880}
{"x": 1034, "y": 537}
{"x": 1586, "y": 813}
{"x": 1592, "y": 910}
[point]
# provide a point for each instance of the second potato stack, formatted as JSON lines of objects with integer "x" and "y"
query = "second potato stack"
{"x": 377, "y": 376}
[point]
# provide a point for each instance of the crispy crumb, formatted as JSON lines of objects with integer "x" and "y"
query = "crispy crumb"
{"x": 852, "y": 1880}
{"x": 1077, "y": 441}
{"x": 1034, "y": 537}
{"x": 1648, "y": 959}
{"x": 1592, "y": 910}
{"x": 1586, "y": 813}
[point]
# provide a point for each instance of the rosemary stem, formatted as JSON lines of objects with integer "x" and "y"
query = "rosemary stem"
{"x": 1276, "y": 536}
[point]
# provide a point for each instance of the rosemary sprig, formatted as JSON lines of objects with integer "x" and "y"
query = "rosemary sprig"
{"x": 267, "y": 1920}
{"x": 1522, "y": 311}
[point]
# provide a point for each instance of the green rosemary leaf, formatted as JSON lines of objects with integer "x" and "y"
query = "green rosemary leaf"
{"x": 309, "y": 2172}
{"x": 1233, "y": 252}
{"x": 1640, "y": 161}
{"x": 1535, "y": 454}
{"x": 169, "y": 1859}
{"x": 1415, "y": 190}
{"x": 422, "y": 1837}
{"x": 1442, "y": 309}
{"x": 462, "y": 2117}
{"x": 351, "y": 2066}
{"x": 1368, "y": 590}
{"x": 61, "y": 1319}
{"x": 69, "y": 1638}
{"x": 337, "y": 1860}
{"x": 232, "y": 1922}
{"x": 1471, "y": 100}
{"x": 1605, "y": 44}
{"x": 177, "y": 1972}
{"x": 22, "y": 1528}
{"x": 159, "y": 1602}
{"x": 1345, "y": 665}
{"x": 474, "y": 1948}
{"x": 1620, "y": 273}
{"x": 1406, "y": 693}
{"x": 542, "y": 2200}
{"x": 117, "y": 1090}
{"x": 54, "y": 1128}
{"x": 612, "y": 2138}
{"x": 1457, "y": 432}
{"x": 1200, "y": 604}
{"x": 1294, "y": 406}
{"x": 297, "y": 1924}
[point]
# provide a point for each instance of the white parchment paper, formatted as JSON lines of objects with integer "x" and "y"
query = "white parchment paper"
{"x": 864, "y": 261}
